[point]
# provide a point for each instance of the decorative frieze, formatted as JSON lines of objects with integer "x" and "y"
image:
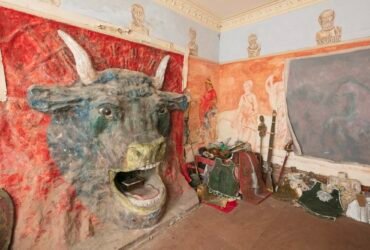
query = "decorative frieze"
{"x": 191, "y": 10}
{"x": 329, "y": 33}
{"x": 254, "y": 48}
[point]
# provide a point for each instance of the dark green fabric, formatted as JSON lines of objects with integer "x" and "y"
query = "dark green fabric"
{"x": 222, "y": 180}
{"x": 329, "y": 209}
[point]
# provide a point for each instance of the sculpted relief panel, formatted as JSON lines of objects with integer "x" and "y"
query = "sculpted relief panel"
{"x": 113, "y": 131}
{"x": 254, "y": 47}
{"x": 329, "y": 33}
{"x": 138, "y": 19}
{"x": 192, "y": 45}
{"x": 87, "y": 116}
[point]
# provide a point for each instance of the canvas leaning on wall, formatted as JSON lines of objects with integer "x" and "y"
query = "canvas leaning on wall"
{"x": 328, "y": 98}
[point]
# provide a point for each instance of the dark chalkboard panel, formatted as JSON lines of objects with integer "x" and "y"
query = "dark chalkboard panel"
{"x": 328, "y": 100}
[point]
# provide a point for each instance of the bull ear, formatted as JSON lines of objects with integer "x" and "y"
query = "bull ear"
{"x": 160, "y": 73}
{"x": 174, "y": 101}
{"x": 50, "y": 99}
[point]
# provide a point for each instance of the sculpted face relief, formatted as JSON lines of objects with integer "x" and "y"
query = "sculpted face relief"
{"x": 329, "y": 33}
{"x": 254, "y": 48}
{"x": 138, "y": 19}
{"x": 109, "y": 130}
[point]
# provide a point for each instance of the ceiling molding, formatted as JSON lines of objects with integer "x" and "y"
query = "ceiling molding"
{"x": 265, "y": 12}
{"x": 196, "y": 13}
{"x": 193, "y": 12}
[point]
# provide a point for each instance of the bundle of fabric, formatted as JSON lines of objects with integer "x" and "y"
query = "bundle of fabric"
{"x": 222, "y": 204}
{"x": 301, "y": 182}
{"x": 321, "y": 203}
{"x": 349, "y": 188}
{"x": 230, "y": 205}
{"x": 285, "y": 192}
{"x": 359, "y": 209}
{"x": 222, "y": 181}
{"x": 252, "y": 186}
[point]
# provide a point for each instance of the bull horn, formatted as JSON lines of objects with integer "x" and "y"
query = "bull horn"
{"x": 84, "y": 66}
{"x": 159, "y": 74}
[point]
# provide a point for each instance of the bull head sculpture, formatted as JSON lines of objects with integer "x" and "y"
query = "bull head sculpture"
{"x": 108, "y": 127}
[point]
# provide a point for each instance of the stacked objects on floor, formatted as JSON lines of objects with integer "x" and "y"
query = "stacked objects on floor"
{"x": 229, "y": 174}
{"x": 330, "y": 199}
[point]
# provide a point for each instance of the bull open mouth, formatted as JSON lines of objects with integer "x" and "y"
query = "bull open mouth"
{"x": 142, "y": 188}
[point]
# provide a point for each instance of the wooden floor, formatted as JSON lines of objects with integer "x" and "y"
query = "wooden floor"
{"x": 270, "y": 225}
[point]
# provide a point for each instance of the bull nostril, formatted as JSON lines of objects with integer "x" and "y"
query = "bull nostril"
{"x": 138, "y": 154}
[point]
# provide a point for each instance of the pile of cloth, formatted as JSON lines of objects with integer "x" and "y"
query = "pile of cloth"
{"x": 230, "y": 173}
{"x": 219, "y": 186}
{"x": 337, "y": 196}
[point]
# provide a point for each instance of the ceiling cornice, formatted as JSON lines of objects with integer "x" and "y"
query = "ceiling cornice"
{"x": 200, "y": 15}
{"x": 265, "y": 12}
{"x": 193, "y": 12}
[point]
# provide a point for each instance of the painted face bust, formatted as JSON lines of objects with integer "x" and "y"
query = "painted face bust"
{"x": 138, "y": 19}
{"x": 254, "y": 48}
{"x": 192, "y": 45}
{"x": 329, "y": 33}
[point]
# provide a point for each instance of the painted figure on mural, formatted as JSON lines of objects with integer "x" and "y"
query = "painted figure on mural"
{"x": 329, "y": 33}
{"x": 246, "y": 114}
{"x": 138, "y": 19}
{"x": 192, "y": 45}
{"x": 276, "y": 94}
{"x": 207, "y": 113}
{"x": 254, "y": 48}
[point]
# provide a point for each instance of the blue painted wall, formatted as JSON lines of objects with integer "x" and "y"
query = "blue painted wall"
{"x": 163, "y": 23}
{"x": 290, "y": 31}
{"x": 297, "y": 29}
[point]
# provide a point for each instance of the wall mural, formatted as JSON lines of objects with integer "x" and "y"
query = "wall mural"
{"x": 246, "y": 114}
{"x": 276, "y": 94}
{"x": 138, "y": 24}
{"x": 208, "y": 113}
{"x": 254, "y": 48}
{"x": 267, "y": 75}
{"x": 329, "y": 33}
{"x": 203, "y": 87}
{"x": 240, "y": 124}
{"x": 328, "y": 98}
{"x": 55, "y": 167}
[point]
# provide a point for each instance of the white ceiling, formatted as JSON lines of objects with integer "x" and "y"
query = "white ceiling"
{"x": 228, "y": 8}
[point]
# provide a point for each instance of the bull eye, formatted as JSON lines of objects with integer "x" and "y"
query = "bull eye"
{"x": 105, "y": 111}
